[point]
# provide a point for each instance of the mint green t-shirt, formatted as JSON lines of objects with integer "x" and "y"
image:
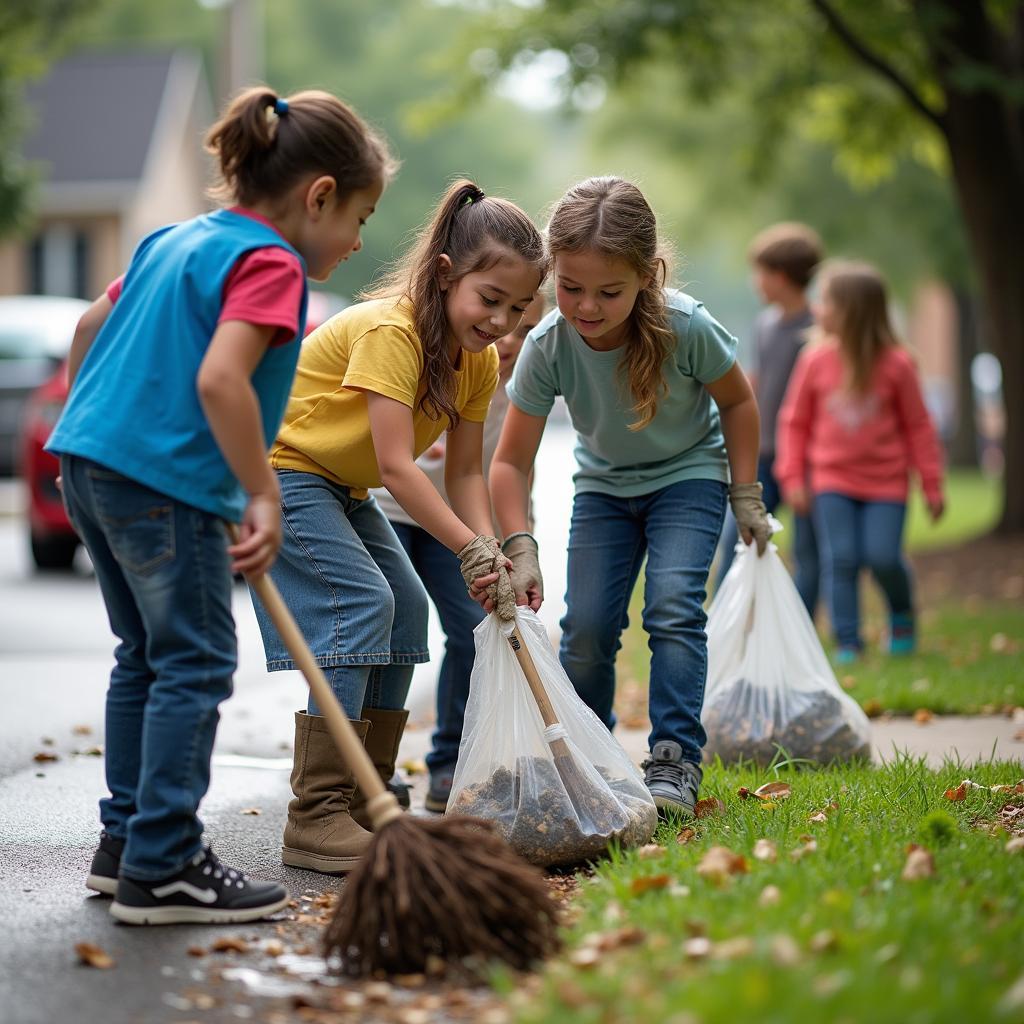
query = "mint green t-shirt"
{"x": 684, "y": 440}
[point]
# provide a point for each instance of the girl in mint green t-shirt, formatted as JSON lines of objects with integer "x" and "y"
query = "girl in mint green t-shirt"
{"x": 664, "y": 419}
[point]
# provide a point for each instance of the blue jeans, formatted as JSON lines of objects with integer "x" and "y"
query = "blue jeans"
{"x": 165, "y": 576}
{"x": 677, "y": 528}
{"x": 460, "y": 615}
{"x": 859, "y": 534}
{"x": 805, "y": 543}
{"x": 343, "y": 573}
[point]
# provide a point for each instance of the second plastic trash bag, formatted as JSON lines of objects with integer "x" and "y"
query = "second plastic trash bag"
{"x": 770, "y": 685}
{"x": 507, "y": 773}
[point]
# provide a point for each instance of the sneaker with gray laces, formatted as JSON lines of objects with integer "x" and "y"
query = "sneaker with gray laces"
{"x": 672, "y": 781}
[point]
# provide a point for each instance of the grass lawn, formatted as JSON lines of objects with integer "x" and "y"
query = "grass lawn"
{"x": 970, "y": 657}
{"x": 836, "y": 935}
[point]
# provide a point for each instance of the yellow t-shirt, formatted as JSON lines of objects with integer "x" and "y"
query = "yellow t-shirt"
{"x": 371, "y": 346}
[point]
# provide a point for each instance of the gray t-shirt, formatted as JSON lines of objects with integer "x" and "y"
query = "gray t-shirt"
{"x": 684, "y": 440}
{"x": 777, "y": 343}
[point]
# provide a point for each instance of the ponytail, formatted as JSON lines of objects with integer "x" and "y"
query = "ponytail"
{"x": 265, "y": 144}
{"x": 474, "y": 231}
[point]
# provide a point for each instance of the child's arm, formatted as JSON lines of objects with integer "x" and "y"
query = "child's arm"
{"x": 391, "y": 428}
{"x": 464, "y": 476}
{"x": 922, "y": 439}
{"x": 741, "y": 427}
{"x": 224, "y": 385}
{"x": 794, "y": 431}
{"x": 510, "y": 479}
{"x": 85, "y": 334}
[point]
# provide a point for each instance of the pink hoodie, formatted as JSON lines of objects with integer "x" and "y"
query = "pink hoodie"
{"x": 863, "y": 446}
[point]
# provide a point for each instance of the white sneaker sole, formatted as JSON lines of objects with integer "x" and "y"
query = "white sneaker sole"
{"x": 101, "y": 884}
{"x": 315, "y": 862}
{"x": 193, "y": 915}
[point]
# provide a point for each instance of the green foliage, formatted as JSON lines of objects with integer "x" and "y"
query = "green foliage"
{"x": 32, "y": 32}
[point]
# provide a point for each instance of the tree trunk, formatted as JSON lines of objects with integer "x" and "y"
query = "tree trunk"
{"x": 963, "y": 445}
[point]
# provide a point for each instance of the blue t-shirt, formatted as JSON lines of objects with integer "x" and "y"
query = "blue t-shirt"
{"x": 684, "y": 440}
{"x": 134, "y": 407}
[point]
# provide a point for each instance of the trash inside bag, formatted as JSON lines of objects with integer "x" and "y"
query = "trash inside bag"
{"x": 560, "y": 794}
{"x": 770, "y": 685}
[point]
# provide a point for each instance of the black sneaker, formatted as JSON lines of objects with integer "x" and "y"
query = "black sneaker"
{"x": 204, "y": 892}
{"x": 440, "y": 790}
{"x": 106, "y": 860}
{"x": 672, "y": 781}
{"x": 401, "y": 789}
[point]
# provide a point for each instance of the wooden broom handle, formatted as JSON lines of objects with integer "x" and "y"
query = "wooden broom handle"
{"x": 540, "y": 694}
{"x": 356, "y": 758}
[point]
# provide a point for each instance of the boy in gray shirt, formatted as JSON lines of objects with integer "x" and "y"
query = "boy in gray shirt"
{"x": 784, "y": 258}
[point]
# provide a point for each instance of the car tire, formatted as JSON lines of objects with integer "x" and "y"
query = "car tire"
{"x": 54, "y": 553}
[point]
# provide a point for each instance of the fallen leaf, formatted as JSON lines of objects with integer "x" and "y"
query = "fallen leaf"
{"x": 733, "y": 949}
{"x": 1018, "y": 736}
{"x": 719, "y": 863}
{"x": 685, "y": 835}
{"x": 784, "y": 950}
{"x": 708, "y": 807}
{"x": 81, "y": 730}
{"x": 605, "y": 942}
{"x": 94, "y": 956}
{"x": 650, "y": 852}
{"x": 1014, "y": 845}
{"x": 645, "y": 883}
{"x": 1017, "y": 788}
{"x": 818, "y": 817}
{"x": 196, "y": 951}
{"x": 824, "y": 942}
{"x": 999, "y": 643}
{"x": 848, "y": 682}
{"x": 250, "y": 810}
{"x": 413, "y": 1015}
{"x": 920, "y": 864}
{"x": 923, "y": 716}
{"x": 957, "y": 794}
{"x": 802, "y": 851}
{"x": 90, "y": 752}
{"x": 697, "y": 948}
{"x": 765, "y": 849}
{"x": 229, "y": 944}
{"x": 378, "y": 992}
{"x": 414, "y": 766}
{"x": 873, "y": 707}
{"x": 273, "y": 948}
{"x": 770, "y": 895}
{"x": 743, "y": 793}
{"x": 43, "y": 756}
{"x": 774, "y": 791}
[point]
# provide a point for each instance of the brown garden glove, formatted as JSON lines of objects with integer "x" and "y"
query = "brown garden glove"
{"x": 481, "y": 557}
{"x": 521, "y": 550}
{"x": 751, "y": 515}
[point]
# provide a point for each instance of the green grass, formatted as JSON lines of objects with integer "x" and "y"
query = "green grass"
{"x": 849, "y": 940}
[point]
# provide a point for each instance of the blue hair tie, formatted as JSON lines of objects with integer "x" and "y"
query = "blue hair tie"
{"x": 280, "y": 107}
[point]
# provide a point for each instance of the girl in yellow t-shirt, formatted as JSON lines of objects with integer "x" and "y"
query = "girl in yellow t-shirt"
{"x": 375, "y": 387}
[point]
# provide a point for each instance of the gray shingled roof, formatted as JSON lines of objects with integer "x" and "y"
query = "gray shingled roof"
{"x": 94, "y": 115}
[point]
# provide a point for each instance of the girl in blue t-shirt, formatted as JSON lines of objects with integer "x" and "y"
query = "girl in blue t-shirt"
{"x": 664, "y": 419}
{"x": 179, "y": 376}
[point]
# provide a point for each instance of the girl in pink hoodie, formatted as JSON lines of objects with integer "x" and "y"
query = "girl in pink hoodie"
{"x": 852, "y": 428}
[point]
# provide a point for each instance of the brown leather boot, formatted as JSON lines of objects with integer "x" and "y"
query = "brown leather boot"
{"x": 320, "y": 834}
{"x": 386, "y": 728}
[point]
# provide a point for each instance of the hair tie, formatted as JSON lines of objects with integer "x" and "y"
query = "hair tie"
{"x": 474, "y": 196}
{"x": 280, "y": 107}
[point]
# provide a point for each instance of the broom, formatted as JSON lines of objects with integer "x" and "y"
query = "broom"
{"x": 425, "y": 889}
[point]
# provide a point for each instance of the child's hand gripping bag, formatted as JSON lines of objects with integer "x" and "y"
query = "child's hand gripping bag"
{"x": 770, "y": 684}
{"x": 508, "y": 774}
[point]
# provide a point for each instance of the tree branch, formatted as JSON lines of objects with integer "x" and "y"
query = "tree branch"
{"x": 868, "y": 56}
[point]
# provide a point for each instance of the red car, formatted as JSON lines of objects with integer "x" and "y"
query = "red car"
{"x": 51, "y": 536}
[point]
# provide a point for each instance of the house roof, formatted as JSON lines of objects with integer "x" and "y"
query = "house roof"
{"x": 94, "y": 116}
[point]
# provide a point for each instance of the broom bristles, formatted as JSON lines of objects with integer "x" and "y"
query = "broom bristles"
{"x": 448, "y": 888}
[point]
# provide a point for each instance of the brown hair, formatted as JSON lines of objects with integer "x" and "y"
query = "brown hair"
{"x": 474, "y": 231}
{"x": 265, "y": 144}
{"x": 859, "y": 296}
{"x": 612, "y": 217}
{"x": 791, "y": 248}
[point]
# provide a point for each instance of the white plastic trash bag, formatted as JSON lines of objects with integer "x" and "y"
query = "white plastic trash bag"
{"x": 552, "y": 810}
{"x": 770, "y": 684}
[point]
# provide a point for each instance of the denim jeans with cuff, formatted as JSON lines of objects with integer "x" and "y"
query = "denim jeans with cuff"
{"x": 353, "y": 592}
{"x": 165, "y": 575}
{"x": 677, "y": 528}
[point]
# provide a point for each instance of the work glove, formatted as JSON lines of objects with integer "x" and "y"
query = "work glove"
{"x": 481, "y": 557}
{"x": 521, "y": 550}
{"x": 751, "y": 515}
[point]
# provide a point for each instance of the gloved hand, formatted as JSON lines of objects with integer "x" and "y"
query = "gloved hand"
{"x": 526, "y": 579}
{"x": 482, "y": 556}
{"x": 751, "y": 515}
